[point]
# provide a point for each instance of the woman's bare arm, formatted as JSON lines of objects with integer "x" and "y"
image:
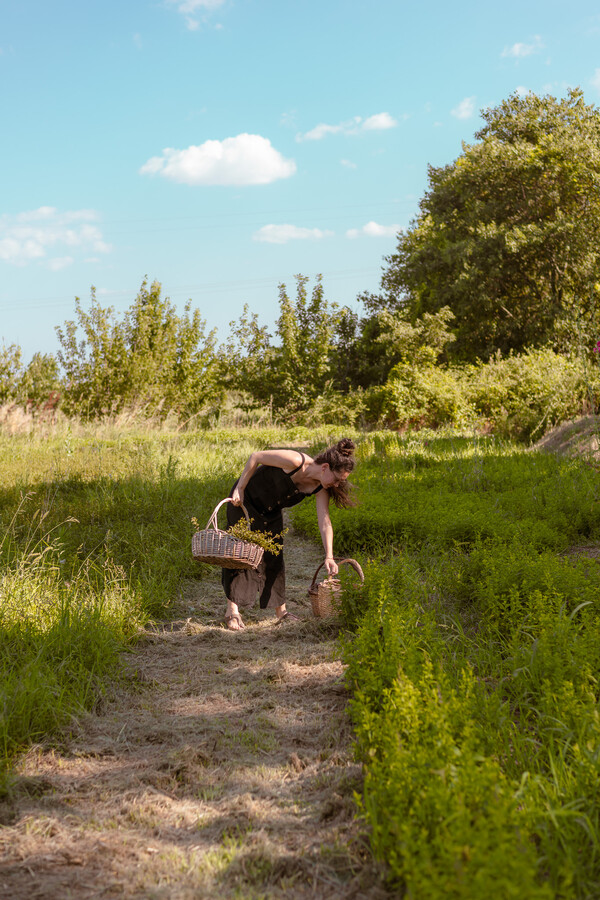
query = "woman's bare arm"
{"x": 326, "y": 529}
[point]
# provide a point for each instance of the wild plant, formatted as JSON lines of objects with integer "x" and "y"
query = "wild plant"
{"x": 472, "y": 656}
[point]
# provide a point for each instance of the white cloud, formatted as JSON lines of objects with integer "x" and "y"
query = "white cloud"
{"x": 192, "y": 9}
{"x": 32, "y": 235}
{"x": 465, "y": 108}
{"x": 320, "y": 131}
{"x": 379, "y": 122}
{"x": 138, "y": 41}
{"x": 595, "y": 80}
{"x": 373, "y": 229}
{"x": 520, "y": 51}
{"x": 521, "y": 90}
{"x": 281, "y": 234}
{"x": 348, "y": 164}
{"x": 241, "y": 160}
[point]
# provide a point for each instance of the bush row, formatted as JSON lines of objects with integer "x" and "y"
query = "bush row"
{"x": 517, "y": 397}
{"x": 473, "y": 659}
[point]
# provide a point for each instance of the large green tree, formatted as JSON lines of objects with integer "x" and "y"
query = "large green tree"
{"x": 508, "y": 235}
{"x": 296, "y": 365}
{"x": 152, "y": 357}
{"x": 11, "y": 370}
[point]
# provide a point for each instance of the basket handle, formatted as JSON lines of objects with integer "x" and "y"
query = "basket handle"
{"x": 351, "y": 562}
{"x": 212, "y": 522}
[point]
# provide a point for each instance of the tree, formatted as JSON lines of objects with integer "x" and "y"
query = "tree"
{"x": 10, "y": 371}
{"x": 40, "y": 384}
{"x": 152, "y": 357}
{"x": 508, "y": 235}
{"x": 297, "y": 367}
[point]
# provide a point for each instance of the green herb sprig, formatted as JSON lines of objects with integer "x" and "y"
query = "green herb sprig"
{"x": 242, "y": 531}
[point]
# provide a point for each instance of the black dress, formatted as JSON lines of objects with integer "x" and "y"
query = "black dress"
{"x": 269, "y": 491}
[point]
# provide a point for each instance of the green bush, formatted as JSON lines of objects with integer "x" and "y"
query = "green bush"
{"x": 473, "y": 657}
{"x": 335, "y": 408}
{"x": 427, "y": 396}
{"x": 519, "y": 397}
{"x": 524, "y": 396}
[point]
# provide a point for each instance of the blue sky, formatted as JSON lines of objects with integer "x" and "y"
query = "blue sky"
{"x": 222, "y": 146}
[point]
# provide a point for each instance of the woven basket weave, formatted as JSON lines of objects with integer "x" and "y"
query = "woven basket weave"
{"x": 221, "y": 549}
{"x": 326, "y": 596}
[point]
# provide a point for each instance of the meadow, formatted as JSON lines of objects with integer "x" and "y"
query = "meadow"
{"x": 472, "y": 651}
{"x": 95, "y": 529}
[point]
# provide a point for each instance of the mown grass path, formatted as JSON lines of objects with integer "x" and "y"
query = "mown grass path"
{"x": 224, "y": 768}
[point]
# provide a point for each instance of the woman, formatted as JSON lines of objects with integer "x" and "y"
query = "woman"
{"x": 271, "y": 481}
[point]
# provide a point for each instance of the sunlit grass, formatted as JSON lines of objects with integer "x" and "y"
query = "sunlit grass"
{"x": 95, "y": 529}
{"x": 474, "y": 662}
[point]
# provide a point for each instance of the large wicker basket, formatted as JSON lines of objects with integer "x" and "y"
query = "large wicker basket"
{"x": 326, "y": 596}
{"x": 222, "y": 549}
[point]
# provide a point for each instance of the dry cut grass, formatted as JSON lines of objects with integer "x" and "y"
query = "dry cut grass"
{"x": 224, "y": 768}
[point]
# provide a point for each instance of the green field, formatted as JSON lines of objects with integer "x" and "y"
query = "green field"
{"x": 474, "y": 655}
{"x": 473, "y": 650}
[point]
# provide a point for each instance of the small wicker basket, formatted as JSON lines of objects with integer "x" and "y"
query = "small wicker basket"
{"x": 326, "y": 596}
{"x": 218, "y": 548}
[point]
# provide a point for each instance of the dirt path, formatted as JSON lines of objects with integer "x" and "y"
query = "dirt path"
{"x": 225, "y": 770}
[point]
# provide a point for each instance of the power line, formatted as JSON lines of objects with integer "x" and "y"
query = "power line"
{"x": 211, "y": 287}
{"x": 291, "y": 211}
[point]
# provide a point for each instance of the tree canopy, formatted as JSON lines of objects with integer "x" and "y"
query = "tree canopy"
{"x": 508, "y": 235}
{"x": 294, "y": 369}
{"x": 150, "y": 357}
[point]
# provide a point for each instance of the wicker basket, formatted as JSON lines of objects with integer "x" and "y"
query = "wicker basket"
{"x": 326, "y": 596}
{"x": 221, "y": 549}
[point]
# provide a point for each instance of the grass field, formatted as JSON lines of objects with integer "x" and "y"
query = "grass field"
{"x": 473, "y": 651}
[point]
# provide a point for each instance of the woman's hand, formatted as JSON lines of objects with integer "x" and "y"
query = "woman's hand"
{"x": 237, "y": 497}
{"x": 331, "y": 566}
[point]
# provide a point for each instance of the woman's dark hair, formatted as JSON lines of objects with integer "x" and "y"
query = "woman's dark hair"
{"x": 339, "y": 458}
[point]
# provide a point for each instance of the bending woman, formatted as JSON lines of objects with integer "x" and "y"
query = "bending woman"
{"x": 271, "y": 481}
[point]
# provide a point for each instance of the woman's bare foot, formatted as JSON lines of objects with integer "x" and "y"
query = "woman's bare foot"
{"x": 234, "y": 622}
{"x": 282, "y": 614}
{"x": 286, "y": 617}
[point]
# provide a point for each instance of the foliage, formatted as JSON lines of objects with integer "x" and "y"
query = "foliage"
{"x": 519, "y": 397}
{"x": 473, "y": 660}
{"x": 40, "y": 382}
{"x": 300, "y": 367}
{"x": 10, "y": 371}
{"x": 523, "y": 396}
{"x": 418, "y": 344}
{"x": 335, "y": 407}
{"x": 265, "y": 539}
{"x": 31, "y": 386}
{"x": 151, "y": 358}
{"x": 508, "y": 235}
{"x": 424, "y": 396}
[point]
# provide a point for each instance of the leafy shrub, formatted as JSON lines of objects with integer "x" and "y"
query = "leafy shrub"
{"x": 473, "y": 655}
{"x": 152, "y": 358}
{"x": 10, "y": 371}
{"x": 335, "y": 408}
{"x": 427, "y": 396}
{"x": 523, "y": 396}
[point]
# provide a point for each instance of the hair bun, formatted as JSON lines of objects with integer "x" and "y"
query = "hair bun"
{"x": 346, "y": 447}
